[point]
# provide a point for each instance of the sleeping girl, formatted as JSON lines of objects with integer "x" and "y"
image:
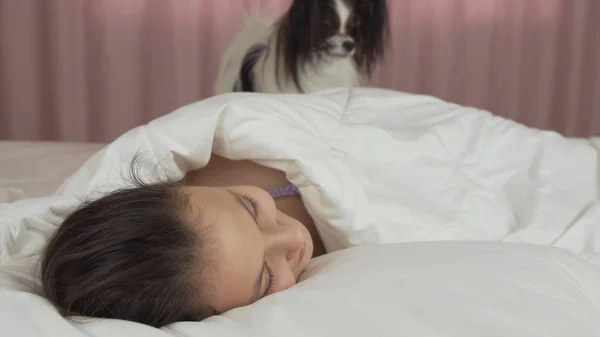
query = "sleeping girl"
{"x": 230, "y": 234}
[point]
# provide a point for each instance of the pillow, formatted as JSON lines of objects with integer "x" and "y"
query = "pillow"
{"x": 428, "y": 289}
{"x": 466, "y": 289}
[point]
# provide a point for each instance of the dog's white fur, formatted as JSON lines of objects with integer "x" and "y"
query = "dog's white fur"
{"x": 316, "y": 75}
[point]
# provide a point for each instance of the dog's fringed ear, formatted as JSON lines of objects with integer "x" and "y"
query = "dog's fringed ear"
{"x": 296, "y": 35}
{"x": 375, "y": 33}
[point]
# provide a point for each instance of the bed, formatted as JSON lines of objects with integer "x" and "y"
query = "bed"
{"x": 441, "y": 220}
{"x": 36, "y": 169}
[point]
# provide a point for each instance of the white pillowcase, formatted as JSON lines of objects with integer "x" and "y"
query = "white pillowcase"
{"x": 463, "y": 289}
{"x": 428, "y": 289}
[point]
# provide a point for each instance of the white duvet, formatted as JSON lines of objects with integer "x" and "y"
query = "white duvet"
{"x": 373, "y": 166}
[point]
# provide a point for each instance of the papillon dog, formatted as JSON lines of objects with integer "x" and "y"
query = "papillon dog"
{"x": 315, "y": 45}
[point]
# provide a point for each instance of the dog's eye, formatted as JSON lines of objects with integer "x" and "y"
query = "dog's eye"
{"x": 329, "y": 26}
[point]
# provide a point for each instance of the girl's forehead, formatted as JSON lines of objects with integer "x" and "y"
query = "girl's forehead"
{"x": 205, "y": 203}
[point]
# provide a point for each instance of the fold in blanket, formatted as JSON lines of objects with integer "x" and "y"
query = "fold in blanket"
{"x": 372, "y": 166}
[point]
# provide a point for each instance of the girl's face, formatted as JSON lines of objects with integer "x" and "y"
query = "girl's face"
{"x": 254, "y": 250}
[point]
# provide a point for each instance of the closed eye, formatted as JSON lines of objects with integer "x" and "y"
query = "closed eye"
{"x": 270, "y": 281}
{"x": 253, "y": 204}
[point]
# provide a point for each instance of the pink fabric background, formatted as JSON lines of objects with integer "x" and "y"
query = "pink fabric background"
{"x": 89, "y": 70}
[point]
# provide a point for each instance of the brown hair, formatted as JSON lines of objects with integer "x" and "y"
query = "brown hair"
{"x": 128, "y": 255}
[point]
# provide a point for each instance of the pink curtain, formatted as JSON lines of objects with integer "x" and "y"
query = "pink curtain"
{"x": 89, "y": 70}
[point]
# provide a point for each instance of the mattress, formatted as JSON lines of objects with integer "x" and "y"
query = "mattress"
{"x": 36, "y": 169}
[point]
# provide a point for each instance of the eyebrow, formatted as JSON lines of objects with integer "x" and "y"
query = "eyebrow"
{"x": 259, "y": 280}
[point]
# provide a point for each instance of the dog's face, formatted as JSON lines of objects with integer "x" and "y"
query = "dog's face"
{"x": 343, "y": 28}
{"x": 340, "y": 29}
{"x": 312, "y": 29}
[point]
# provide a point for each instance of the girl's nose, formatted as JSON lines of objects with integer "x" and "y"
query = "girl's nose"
{"x": 286, "y": 239}
{"x": 286, "y": 236}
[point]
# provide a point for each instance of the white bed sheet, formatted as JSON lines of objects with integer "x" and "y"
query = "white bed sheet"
{"x": 36, "y": 169}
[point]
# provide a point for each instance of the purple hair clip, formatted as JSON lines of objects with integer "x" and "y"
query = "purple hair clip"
{"x": 284, "y": 191}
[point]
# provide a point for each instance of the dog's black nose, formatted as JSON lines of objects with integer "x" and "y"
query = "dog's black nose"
{"x": 348, "y": 46}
